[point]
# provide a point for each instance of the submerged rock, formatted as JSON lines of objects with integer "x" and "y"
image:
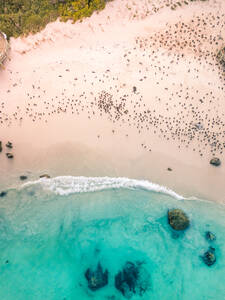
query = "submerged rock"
{"x": 3, "y": 194}
{"x": 215, "y": 161}
{"x": 133, "y": 279}
{"x": 210, "y": 236}
{"x": 177, "y": 219}
{"x": 209, "y": 257}
{"x": 96, "y": 279}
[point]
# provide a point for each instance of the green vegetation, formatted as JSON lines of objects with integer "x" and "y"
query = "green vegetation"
{"x": 221, "y": 57}
{"x": 18, "y": 17}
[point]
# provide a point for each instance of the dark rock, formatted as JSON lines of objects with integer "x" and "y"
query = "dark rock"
{"x": 9, "y": 155}
{"x": 134, "y": 89}
{"x": 209, "y": 257}
{"x": 9, "y": 145}
{"x": 96, "y": 279}
{"x": 177, "y": 219}
{"x": 210, "y": 236}
{"x": 44, "y": 176}
{"x": 0, "y": 146}
{"x": 133, "y": 279}
{"x": 23, "y": 177}
{"x": 169, "y": 169}
{"x": 215, "y": 161}
{"x": 3, "y": 194}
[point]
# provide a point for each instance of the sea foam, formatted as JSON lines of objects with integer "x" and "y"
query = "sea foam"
{"x": 66, "y": 185}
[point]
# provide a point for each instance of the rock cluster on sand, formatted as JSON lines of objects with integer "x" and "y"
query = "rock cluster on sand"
{"x": 215, "y": 161}
{"x": 177, "y": 219}
{"x": 97, "y": 278}
{"x": 8, "y": 145}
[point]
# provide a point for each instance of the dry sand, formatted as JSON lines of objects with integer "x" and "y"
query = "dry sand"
{"x": 131, "y": 91}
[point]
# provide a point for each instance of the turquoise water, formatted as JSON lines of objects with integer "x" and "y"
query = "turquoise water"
{"x": 52, "y": 231}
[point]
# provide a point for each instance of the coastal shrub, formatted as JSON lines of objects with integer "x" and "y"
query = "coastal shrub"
{"x": 221, "y": 57}
{"x": 18, "y": 17}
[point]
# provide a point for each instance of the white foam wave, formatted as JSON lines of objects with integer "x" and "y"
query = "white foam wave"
{"x": 65, "y": 185}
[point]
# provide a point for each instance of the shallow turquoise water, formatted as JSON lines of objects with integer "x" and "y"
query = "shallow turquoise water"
{"x": 48, "y": 240}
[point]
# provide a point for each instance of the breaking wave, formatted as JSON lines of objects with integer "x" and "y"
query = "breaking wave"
{"x": 66, "y": 185}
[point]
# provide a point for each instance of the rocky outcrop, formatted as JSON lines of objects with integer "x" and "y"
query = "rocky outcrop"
{"x": 177, "y": 219}
{"x": 96, "y": 279}
{"x": 209, "y": 257}
{"x": 215, "y": 161}
{"x": 9, "y": 155}
{"x": 44, "y": 176}
{"x": 9, "y": 145}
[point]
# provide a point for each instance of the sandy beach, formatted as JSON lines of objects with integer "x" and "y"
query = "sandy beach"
{"x": 131, "y": 91}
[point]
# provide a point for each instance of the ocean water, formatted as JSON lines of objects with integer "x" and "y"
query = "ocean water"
{"x": 53, "y": 230}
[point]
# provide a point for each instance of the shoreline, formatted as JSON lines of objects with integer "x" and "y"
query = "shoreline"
{"x": 69, "y": 107}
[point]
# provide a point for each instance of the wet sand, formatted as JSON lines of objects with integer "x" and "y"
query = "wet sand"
{"x": 119, "y": 95}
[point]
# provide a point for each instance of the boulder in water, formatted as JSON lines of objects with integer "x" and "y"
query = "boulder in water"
{"x": 23, "y": 177}
{"x": 96, "y": 279}
{"x": 209, "y": 257}
{"x": 133, "y": 279}
{"x": 3, "y": 194}
{"x": 215, "y": 161}
{"x": 177, "y": 219}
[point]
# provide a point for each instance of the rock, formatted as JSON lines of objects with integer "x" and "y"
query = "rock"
{"x": 9, "y": 145}
{"x": 0, "y": 146}
{"x": 209, "y": 257}
{"x": 169, "y": 169}
{"x": 215, "y": 161}
{"x": 44, "y": 176}
{"x": 177, "y": 219}
{"x": 133, "y": 279}
{"x": 23, "y": 177}
{"x": 3, "y": 194}
{"x": 96, "y": 279}
{"x": 210, "y": 236}
{"x": 9, "y": 155}
{"x": 134, "y": 89}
